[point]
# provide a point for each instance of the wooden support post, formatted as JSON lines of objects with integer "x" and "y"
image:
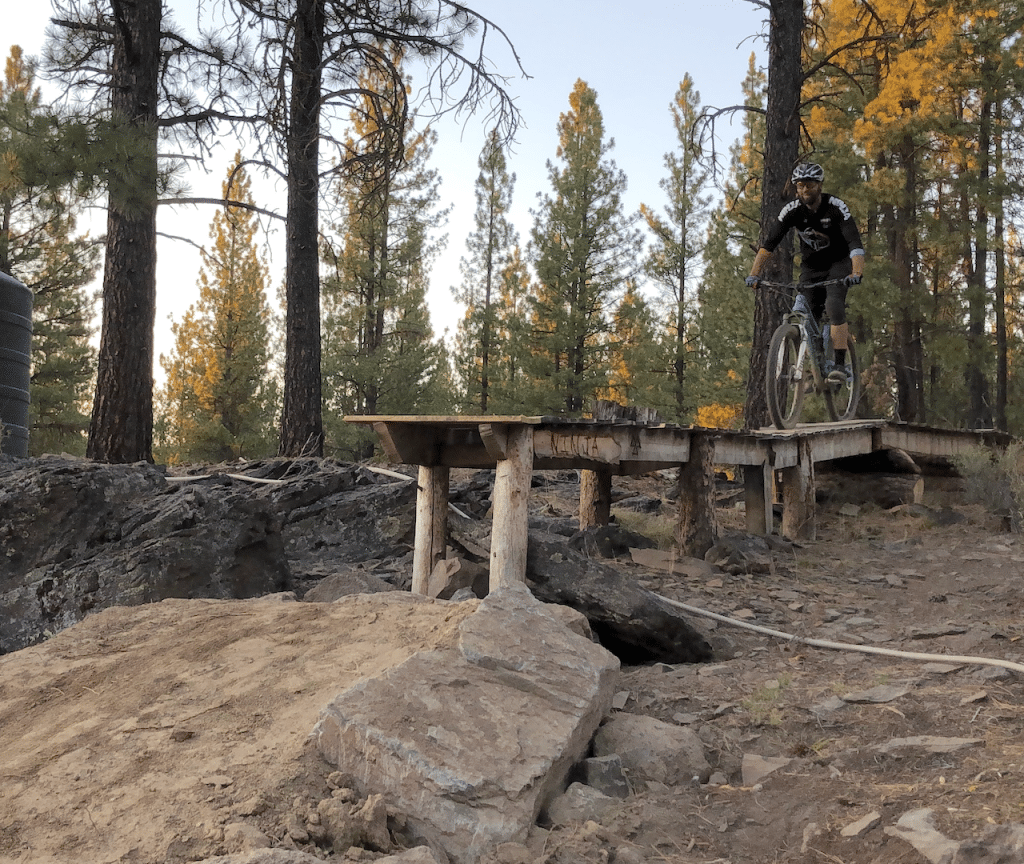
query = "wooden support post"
{"x": 758, "y": 481}
{"x": 697, "y": 528}
{"x": 431, "y": 524}
{"x": 798, "y": 504}
{"x": 595, "y": 498}
{"x": 510, "y": 521}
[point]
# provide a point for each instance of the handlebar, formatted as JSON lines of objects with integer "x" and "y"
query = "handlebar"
{"x": 797, "y": 286}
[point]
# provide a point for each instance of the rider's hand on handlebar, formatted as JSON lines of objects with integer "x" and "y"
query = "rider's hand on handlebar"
{"x": 752, "y": 281}
{"x": 852, "y": 279}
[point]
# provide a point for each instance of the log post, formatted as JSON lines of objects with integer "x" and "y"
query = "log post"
{"x": 431, "y": 524}
{"x": 798, "y": 504}
{"x": 758, "y": 497}
{"x": 697, "y": 528}
{"x": 510, "y": 522}
{"x": 595, "y": 498}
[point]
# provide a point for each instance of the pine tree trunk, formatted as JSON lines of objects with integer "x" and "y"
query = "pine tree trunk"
{"x": 302, "y": 417}
{"x": 121, "y": 429}
{"x": 977, "y": 289}
{"x": 906, "y": 334}
{"x": 782, "y": 148}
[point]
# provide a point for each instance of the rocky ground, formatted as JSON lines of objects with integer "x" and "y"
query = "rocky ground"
{"x": 812, "y": 755}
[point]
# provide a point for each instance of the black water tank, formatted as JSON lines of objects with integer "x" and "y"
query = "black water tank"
{"x": 15, "y": 344}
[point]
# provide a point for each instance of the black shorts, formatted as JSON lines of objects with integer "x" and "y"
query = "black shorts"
{"x": 827, "y": 298}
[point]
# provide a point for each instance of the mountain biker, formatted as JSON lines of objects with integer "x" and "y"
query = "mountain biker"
{"x": 830, "y": 249}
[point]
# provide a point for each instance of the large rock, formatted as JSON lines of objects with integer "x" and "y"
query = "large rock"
{"x": 338, "y": 513}
{"x": 471, "y": 742}
{"x": 651, "y": 749}
{"x": 80, "y": 536}
{"x": 636, "y": 624}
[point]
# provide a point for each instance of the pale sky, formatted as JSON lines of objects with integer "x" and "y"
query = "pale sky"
{"x": 633, "y": 58}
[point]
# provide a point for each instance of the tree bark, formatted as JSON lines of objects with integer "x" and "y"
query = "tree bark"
{"x": 782, "y": 148}
{"x": 697, "y": 528}
{"x": 595, "y": 498}
{"x": 121, "y": 429}
{"x": 977, "y": 381}
{"x": 302, "y": 416}
{"x": 907, "y": 356}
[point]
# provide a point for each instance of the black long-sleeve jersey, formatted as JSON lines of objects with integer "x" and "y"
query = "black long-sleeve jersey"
{"x": 827, "y": 235}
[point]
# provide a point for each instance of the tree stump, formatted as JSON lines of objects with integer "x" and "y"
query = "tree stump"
{"x": 595, "y": 498}
{"x": 697, "y": 528}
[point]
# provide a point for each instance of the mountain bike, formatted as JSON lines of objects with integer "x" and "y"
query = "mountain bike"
{"x": 800, "y": 357}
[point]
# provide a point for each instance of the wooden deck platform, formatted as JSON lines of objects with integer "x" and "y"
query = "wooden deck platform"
{"x": 515, "y": 446}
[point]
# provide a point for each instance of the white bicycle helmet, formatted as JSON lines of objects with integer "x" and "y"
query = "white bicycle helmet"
{"x": 808, "y": 171}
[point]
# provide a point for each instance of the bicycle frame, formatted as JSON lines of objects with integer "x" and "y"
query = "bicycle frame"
{"x": 817, "y": 340}
{"x": 798, "y": 358}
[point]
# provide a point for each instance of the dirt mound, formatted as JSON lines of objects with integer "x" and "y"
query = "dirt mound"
{"x": 183, "y": 723}
{"x": 143, "y": 734}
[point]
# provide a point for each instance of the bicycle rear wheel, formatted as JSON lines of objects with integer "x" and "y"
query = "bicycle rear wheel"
{"x": 785, "y": 382}
{"x": 842, "y": 401}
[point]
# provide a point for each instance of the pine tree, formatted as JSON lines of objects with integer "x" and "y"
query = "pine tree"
{"x": 513, "y": 391}
{"x": 38, "y": 246}
{"x": 219, "y": 400}
{"x": 639, "y": 357}
{"x": 585, "y": 248}
{"x": 379, "y": 353}
{"x": 673, "y": 263}
{"x": 489, "y": 247}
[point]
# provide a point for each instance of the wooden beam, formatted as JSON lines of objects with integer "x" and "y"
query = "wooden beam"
{"x": 431, "y": 524}
{"x": 495, "y": 440}
{"x": 590, "y": 443}
{"x": 798, "y": 504}
{"x": 405, "y": 444}
{"x": 510, "y": 520}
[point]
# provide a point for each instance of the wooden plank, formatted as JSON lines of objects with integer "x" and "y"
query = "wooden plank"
{"x": 510, "y": 521}
{"x": 431, "y": 524}
{"x": 925, "y": 441}
{"x": 838, "y": 444}
{"x": 591, "y": 445}
{"x": 441, "y": 419}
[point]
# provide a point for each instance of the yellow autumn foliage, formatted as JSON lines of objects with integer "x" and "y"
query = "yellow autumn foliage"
{"x": 719, "y": 416}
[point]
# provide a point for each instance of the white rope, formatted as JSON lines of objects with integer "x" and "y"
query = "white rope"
{"x": 842, "y": 646}
{"x": 195, "y": 478}
{"x": 387, "y": 473}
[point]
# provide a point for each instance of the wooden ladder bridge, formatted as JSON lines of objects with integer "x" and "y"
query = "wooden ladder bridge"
{"x": 516, "y": 446}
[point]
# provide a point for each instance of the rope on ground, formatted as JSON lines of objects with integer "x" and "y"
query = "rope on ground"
{"x": 842, "y": 646}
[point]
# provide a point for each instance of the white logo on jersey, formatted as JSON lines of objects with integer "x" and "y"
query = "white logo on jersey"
{"x": 814, "y": 239}
{"x": 792, "y": 205}
{"x": 842, "y": 208}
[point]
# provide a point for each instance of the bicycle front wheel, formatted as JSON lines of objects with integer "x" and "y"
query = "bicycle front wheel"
{"x": 784, "y": 380}
{"x": 842, "y": 401}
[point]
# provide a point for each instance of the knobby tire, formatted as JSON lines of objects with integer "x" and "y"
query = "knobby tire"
{"x": 842, "y": 402}
{"x": 784, "y": 391}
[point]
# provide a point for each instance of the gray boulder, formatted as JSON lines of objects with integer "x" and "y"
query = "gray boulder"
{"x": 651, "y": 749}
{"x": 80, "y": 536}
{"x": 471, "y": 742}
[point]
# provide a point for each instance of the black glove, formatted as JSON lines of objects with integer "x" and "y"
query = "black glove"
{"x": 752, "y": 281}
{"x": 852, "y": 279}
